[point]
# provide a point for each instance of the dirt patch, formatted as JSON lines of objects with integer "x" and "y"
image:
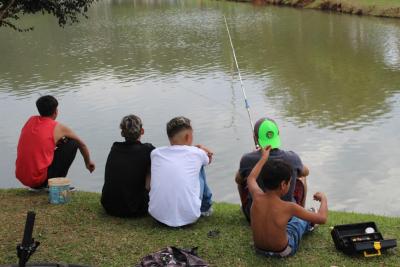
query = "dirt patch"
{"x": 335, "y": 6}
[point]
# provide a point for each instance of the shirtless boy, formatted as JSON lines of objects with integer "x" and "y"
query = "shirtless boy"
{"x": 278, "y": 225}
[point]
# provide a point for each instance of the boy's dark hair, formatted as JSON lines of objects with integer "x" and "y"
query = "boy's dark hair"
{"x": 46, "y": 105}
{"x": 274, "y": 172}
{"x": 176, "y": 125}
{"x": 131, "y": 127}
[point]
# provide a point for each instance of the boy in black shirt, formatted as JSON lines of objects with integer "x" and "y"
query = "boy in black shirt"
{"x": 127, "y": 175}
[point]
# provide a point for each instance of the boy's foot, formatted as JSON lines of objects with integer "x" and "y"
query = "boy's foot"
{"x": 313, "y": 226}
{"x": 207, "y": 213}
{"x": 72, "y": 189}
{"x": 38, "y": 190}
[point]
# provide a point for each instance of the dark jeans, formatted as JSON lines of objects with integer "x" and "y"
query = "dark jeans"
{"x": 64, "y": 155}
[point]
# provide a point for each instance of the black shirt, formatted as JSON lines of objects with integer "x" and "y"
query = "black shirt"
{"x": 124, "y": 193}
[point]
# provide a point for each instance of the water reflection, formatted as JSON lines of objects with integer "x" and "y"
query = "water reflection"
{"x": 322, "y": 73}
{"x": 331, "y": 81}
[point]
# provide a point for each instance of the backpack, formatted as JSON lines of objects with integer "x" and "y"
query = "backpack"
{"x": 173, "y": 257}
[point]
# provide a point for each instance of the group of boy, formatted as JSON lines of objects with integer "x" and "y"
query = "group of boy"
{"x": 169, "y": 182}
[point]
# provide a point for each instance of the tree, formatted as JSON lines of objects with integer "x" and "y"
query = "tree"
{"x": 66, "y": 11}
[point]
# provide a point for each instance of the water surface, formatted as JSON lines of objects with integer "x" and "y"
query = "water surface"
{"x": 330, "y": 81}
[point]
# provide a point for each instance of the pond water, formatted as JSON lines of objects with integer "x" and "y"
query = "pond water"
{"x": 332, "y": 82}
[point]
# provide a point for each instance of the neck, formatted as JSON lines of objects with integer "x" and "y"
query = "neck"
{"x": 178, "y": 143}
{"x": 132, "y": 141}
{"x": 51, "y": 117}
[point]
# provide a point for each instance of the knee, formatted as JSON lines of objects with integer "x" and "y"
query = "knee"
{"x": 303, "y": 179}
{"x": 73, "y": 144}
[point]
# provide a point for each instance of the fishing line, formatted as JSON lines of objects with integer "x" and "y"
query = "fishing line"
{"x": 241, "y": 82}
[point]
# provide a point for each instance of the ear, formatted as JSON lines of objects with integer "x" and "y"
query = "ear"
{"x": 187, "y": 136}
{"x": 255, "y": 139}
{"x": 283, "y": 185}
{"x": 191, "y": 136}
{"x": 141, "y": 131}
{"x": 55, "y": 114}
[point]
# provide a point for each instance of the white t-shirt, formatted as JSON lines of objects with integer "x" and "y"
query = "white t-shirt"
{"x": 175, "y": 185}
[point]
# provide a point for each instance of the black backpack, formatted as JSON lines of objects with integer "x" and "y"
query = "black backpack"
{"x": 173, "y": 257}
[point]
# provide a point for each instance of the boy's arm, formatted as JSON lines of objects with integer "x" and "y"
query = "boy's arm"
{"x": 148, "y": 180}
{"x": 318, "y": 218}
{"x": 67, "y": 132}
{"x": 208, "y": 152}
{"x": 239, "y": 179}
{"x": 252, "y": 179}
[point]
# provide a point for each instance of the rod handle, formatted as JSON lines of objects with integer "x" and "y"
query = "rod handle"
{"x": 30, "y": 221}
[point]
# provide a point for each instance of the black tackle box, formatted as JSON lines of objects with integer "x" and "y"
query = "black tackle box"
{"x": 360, "y": 238}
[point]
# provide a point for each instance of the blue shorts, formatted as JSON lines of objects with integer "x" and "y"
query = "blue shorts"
{"x": 295, "y": 229}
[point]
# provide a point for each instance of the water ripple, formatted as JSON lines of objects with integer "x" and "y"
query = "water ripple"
{"x": 331, "y": 82}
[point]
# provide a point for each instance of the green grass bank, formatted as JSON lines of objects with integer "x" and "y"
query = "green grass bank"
{"x": 380, "y": 8}
{"x": 80, "y": 232}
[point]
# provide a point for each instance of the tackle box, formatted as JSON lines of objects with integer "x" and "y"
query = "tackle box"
{"x": 360, "y": 238}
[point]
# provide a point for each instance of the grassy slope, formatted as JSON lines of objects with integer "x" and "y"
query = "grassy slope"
{"x": 80, "y": 232}
{"x": 385, "y": 8}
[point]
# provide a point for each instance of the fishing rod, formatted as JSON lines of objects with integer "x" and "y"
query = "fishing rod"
{"x": 241, "y": 82}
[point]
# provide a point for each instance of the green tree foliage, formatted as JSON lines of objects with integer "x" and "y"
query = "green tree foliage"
{"x": 66, "y": 11}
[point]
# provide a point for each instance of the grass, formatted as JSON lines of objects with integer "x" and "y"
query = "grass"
{"x": 383, "y": 8}
{"x": 80, "y": 232}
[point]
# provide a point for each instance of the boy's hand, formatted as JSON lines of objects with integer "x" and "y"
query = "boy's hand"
{"x": 90, "y": 166}
{"x": 265, "y": 153}
{"x": 319, "y": 196}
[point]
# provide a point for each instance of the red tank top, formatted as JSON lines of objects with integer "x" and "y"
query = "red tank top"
{"x": 35, "y": 150}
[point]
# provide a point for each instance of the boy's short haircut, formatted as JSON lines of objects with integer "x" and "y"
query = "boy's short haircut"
{"x": 176, "y": 125}
{"x": 131, "y": 127}
{"x": 274, "y": 172}
{"x": 46, "y": 105}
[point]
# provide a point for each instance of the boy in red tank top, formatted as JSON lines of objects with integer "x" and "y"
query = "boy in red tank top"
{"x": 46, "y": 148}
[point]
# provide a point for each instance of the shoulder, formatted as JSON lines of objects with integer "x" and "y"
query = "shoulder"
{"x": 31, "y": 120}
{"x": 290, "y": 155}
{"x": 117, "y": 145}
{"x": 289, "y": 207}
{"x": 61, "y": 130}
{"x": 290, "y": 204}
{"x": 258, "y": 195}
{"x": 159, "y": 150}
{"x": 191, "y": 150}
{"x": 60, "y": 126}
{"x": 148, "y": 146}
{"x": 253, "y": 156}
{"x": 197, "y": 150}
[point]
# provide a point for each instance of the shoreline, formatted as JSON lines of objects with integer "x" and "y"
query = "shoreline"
{"x": 80, "y": 232}
{"x": 385, "y": 8}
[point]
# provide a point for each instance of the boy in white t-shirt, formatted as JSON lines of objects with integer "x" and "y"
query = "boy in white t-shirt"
{"x": 179, "y": 193}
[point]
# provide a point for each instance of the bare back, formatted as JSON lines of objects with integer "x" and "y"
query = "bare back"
{"x": 269, "y": 218}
